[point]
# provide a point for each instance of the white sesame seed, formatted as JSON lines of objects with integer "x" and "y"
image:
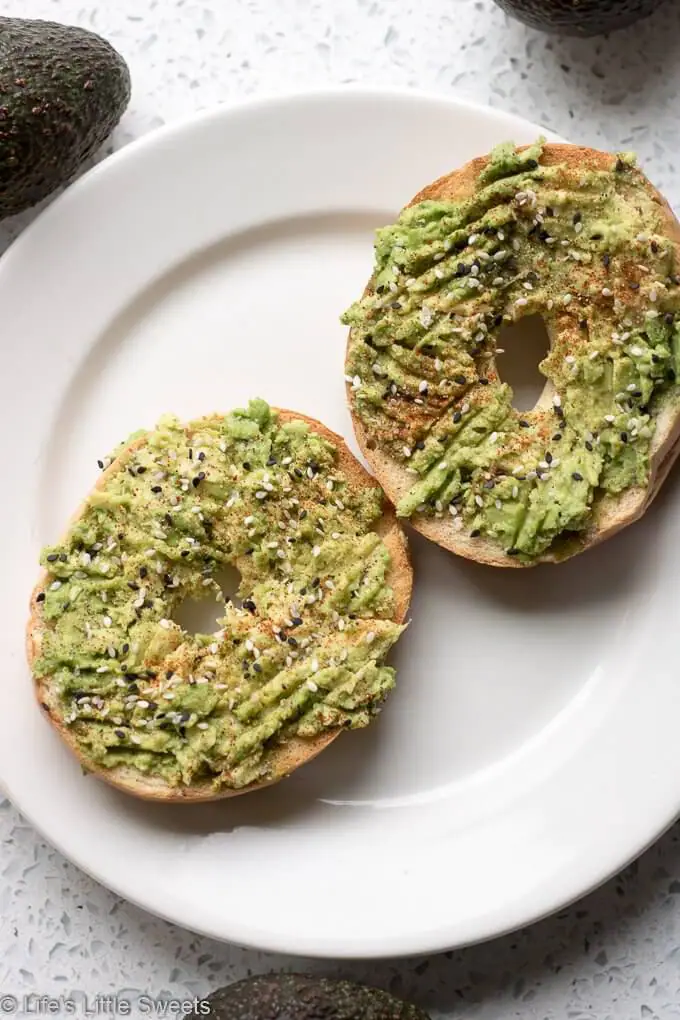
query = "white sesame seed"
{"x": 370, "y": 637}
{"x": 406, "y": 450}
{"x": 315, "y": 665}
{"x": 653, "y": 296}
{"x": 55, "y": 586}
{"x": 260, "y": 494}
{"x": 527, "y": 285}
{"x": 652, "y": 314}
{"x": 312, "y": 686}
{"x": 557, "y": 400}
{"x": 102, "y": 669}
{"x": 479, "y": 501}
{"x": 636, "y": 351}
{"x": 521, "y": 301}
{"x": 169, "y": 696}
{"x": 566, "y": 299}
{"x": 493, "y": 437}
{"x": 609, "y": 418}
{"x": 499, "y": 505}
{"x": 570, "y": 359}
{"x": 555, "y": 462}
{"x": 202, "y": 725}
{"x": 606, "y": 292}
{"x": 515, "y": 492}
{"x": 422, "y": 386}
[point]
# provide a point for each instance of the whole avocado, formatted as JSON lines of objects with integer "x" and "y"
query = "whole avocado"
{"x": 578, "y": 17}
{"x": 299, "y": 997}
{"x": 62, "y": 91}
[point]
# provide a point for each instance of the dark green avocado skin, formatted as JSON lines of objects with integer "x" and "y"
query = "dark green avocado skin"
{"x": 578, "y": 17}
{"x": 62, "y": 91}
{"x": 297, "y": 997}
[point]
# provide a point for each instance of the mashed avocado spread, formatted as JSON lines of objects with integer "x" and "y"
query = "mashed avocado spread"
{"x": 301, "y": 654}
{"x": 589, "y": 251}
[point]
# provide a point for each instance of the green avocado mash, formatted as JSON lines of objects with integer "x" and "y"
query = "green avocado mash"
{"x": 301, "y": 654}
{"x": 587, "y": 250}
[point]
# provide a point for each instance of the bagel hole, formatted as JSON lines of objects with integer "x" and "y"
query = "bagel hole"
{"x": 202, "y": 616}
{"x": 524, "y": 344}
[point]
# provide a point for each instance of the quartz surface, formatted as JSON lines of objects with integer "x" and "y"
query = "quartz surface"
{"x": 616, "y": 954}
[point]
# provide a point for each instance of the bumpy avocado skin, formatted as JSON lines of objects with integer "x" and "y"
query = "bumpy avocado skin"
{"x": 298, "y": 997}
{"x": 578, "y": 17}
{"x": 62, "y": 91}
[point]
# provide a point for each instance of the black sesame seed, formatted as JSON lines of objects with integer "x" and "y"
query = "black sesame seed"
{"x": 489, "y": 484}
{"x": 462, "y": 269}
{"x": 668, "y": 318}
{"x": 606, "y": 259}
{"x": 141, "y": 470}
{"x": 596, "y": 237}
{"x": 634, "y": 286}
{"x": 191, "y": 454}
{"x": 583, "y": 323}
{"x": 120, "y": 734}
{"x": 589, "y": 446}
{"x": 512, "y": 552}
{"x": 249, "y": 605}
{"x": 654, "y": 246}
{"x": 257, "y": 667}
{"x": 271, "y": 461}
{"x": 316, "y": 582}
{"x": 543, "y": 234}
{"x": 548, "y": 457}
{"x": 624, "y": 437}
{"x": 156, "y": 488}
{"x": 577, "y": 476}
{"x": 297, "y": 622}
{"x": 620, "y": 166}
{"x": 524, "y": 423}
{"x": 498, "y": 319}
{"x": 246, "y": 464}
{"x": 185, "y": 717}
{"x": 557, "y": 437}
{"x": 53, "y": 557}
{"x": 196, "y": 481}
{"x": 531, "y": 164}
{"x": 420, "y": 445}
{"x": 460, "y": 379}
{"x": 143, "y": 571}
{"x": 483, "y": 382}
{"x": 125, "y": 649}
{"x": 201, "y": 455}
{"x": 100, "y": 464}
{"x": 184, "y": 552}
{"x": 475, "y": 533}
{"x": 670, "y": 375}
{"x": 292, "y": 642}
{"x": 456, "y": 417}
{"x": 549, "y": 211}
{"x": 298, "y": 472}
{"x": 40, "y": 597}
{"x": 577, "y": 217}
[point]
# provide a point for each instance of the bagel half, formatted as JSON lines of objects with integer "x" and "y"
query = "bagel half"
{"x": 609, "y": 512}
{"x": 283, "y": 757}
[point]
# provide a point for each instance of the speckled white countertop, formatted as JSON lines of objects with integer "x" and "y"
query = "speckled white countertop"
{"x": 616, "y": 954}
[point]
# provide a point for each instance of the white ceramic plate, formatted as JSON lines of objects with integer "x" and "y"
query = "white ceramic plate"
{"x": 531, "y": 748}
